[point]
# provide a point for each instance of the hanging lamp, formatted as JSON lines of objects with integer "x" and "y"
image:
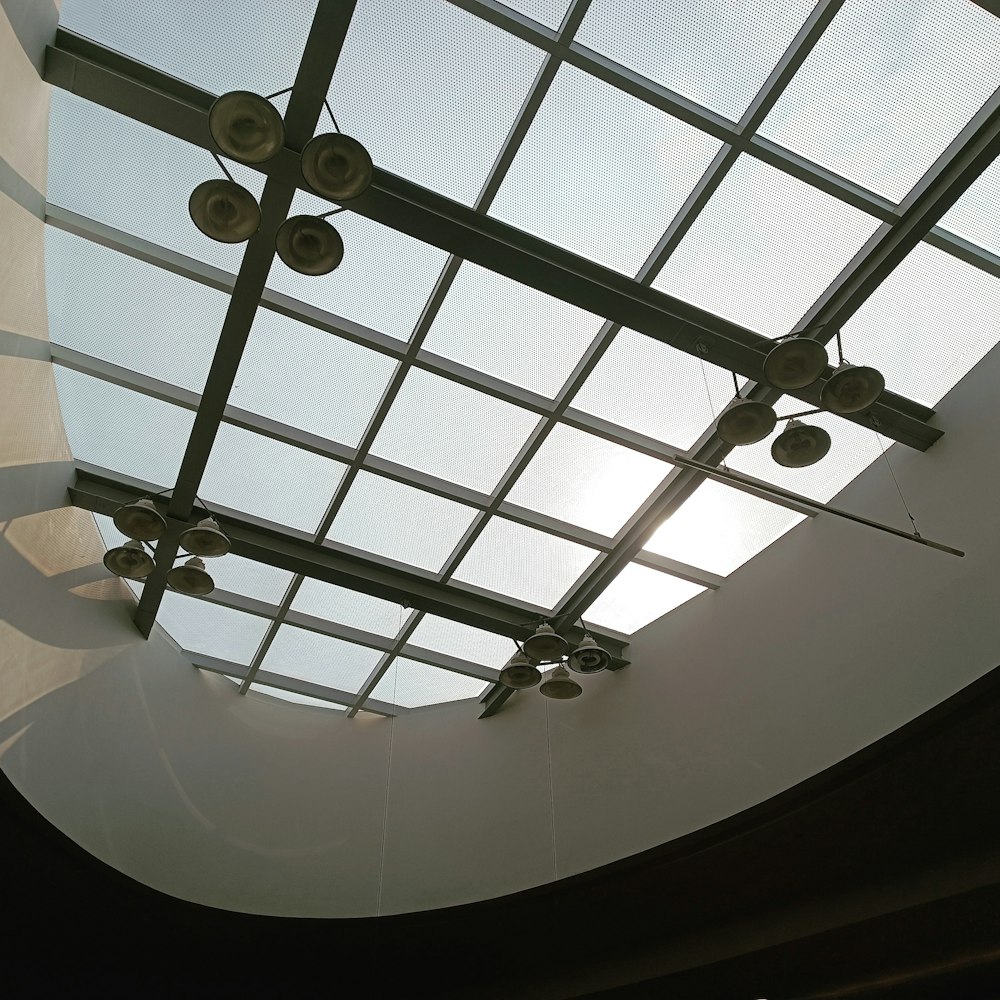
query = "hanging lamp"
{"x": 545, "y": 645}
{"x": 191, "y": 578}
{"x": 588, "y": 657}
{"x": 745, "y": 421}
{"x": 851, "y": 388}
{"x": 800, "y": 445}
{"x": 309, "y": 244}
{"x": 224, "y": 210}
{"x": 205, "y": 539}
{"x": 520, "y": 673}
{"x": 336, "y": 166}
{"x": 246, "y": 127}
{"x": 140, "y": 520}
{"x": 794, "y": 363}
{"x": 559, "y": 685}
{"x": 130, "y": 561}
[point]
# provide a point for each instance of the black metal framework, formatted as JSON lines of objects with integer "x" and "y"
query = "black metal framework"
{"x": 175, "y": 107}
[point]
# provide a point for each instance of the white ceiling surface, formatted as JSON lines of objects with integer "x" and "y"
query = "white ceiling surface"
{"x": 599, "y": 172}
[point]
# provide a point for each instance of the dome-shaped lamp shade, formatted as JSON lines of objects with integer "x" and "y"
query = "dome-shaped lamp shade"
{"x": 800, "y": 445}
{"x": 560, "y": 685}
{"x": 130, "y": 561}
{"x": 224, "y": 211}
{"x": 205, "y": 539}
{"x": 191, "y": 579}
{"x": 588, "y": 657}
{"x": 851, "y": 388}
{"x": 337, "y": 166}
{"x": 520, "y": 673}
{"x": 745, "y": 421}
{"x": 309, "y": 245}
{"x": 795, "y": 363}
{"x": 246, "y": 126}
{"x": 545, "y": 645}
{"x": 140, "y": 520}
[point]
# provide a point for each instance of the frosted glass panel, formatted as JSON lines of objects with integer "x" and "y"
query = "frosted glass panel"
{"x": 321, "y": 659}
{"x": 133, "y": 314}
{"x": 216, "y": 46}
{"x": 296, "y": 699}
{"x": 976, "y": 215}
{"x": 122, "y": 430}
{"x": 638, "y": 596}
{"x": 650, "y": 387}
{"x": 431, "y": 90}
{"x": 601, "y": 173}
{"x": 524, "y": 563}
{"x": 548, "y": 12}
{"x": 400, "y": 522}
{"x": 585, "y": 480}
{"x": 348, "y": 607}
{"x": 764, "y": 248}
{"x": 463, "y": 641}
{"x": 269, "y": 479}
{"x": 511, "y": 331}
{"x": 888, "y": 86}
{"x": 210, "y": 629}
{"x": 411, "y": 684}
{"x": 716, "y": 52}
{"x": 718, "y": 528}
{"x": 310, "y": 379}
{"x": 135, "y": 178}
{"x": 452, "y": 432}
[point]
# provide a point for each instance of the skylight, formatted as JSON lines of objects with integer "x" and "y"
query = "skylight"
{"x": 471, "y": 424}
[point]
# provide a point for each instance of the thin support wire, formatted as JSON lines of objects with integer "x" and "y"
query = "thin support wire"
{"x": 218, "y": 160}
{"x": 277, "y": 93}
{"x": 552, "y": 796}
{"x": 840, "y": 347}
{"x": 329, "y": 111}
{"x": 388, "y": 774}
{"x": 888, "y": 464}
{"x": 333, "y": 211}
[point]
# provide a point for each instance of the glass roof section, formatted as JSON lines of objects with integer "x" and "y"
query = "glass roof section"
{"x": 448, "y": 423}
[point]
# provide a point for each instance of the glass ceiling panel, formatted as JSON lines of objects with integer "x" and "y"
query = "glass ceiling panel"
{"x": 774, "y": 244}
{"x": 450, "y": 431}
{"x": 653, "y": 388}
{"x": 887, "y": 88}
{"x": 210, "y": 629}
{"x": 716, "y": 52}
{"x": 718, "y": 528}
{"x": 122, "y": 430}
{"x": 602, "y": 173}
{"x": 257, "y": 475}
{"x": 547, "y": 12}
{"x": 320, "y": 659}
{"x": 310, "y": 379}
{"x": 638, "y": 596}
{"x": 296, "y": 699}
{"x": 511, "y": 331}
{"x": 524, "y": 563}
{"x": 135, "y": 178}
{"x": 976, "y": 215}
{"x": 467, "y": 643}
{"x": 927, "y": 324}
{"x": 383, "y": 282}
{"x": 412, "y": 684}
{"x": 853, "y": 448}
{"x": 588, "y": 481}
{"x": 133, "y": 314}
{"x": 431, "y": 90}
{"x": 400, "y": 522}
{"x": 348, "y": 607}
{"x": 216, "y": 46}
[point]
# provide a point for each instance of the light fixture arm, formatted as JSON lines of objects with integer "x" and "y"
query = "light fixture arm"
{"x": 329, "y": 111}
{"x": 222, "y": 166}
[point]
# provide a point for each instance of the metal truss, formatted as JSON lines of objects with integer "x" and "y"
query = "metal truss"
{"x": 468, "y": 233}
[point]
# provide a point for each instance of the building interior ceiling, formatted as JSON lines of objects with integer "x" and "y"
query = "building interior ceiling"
{"x": 585, "y": 224}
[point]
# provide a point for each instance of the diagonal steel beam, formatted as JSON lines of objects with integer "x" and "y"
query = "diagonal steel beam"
{"x": 469, "y": 234}
{"x": 312, "y": 82}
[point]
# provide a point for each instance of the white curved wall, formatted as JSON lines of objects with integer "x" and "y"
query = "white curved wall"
{"x": 249, "y": 804}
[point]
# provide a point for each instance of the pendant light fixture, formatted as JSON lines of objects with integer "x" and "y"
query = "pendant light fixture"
{"x": 205, "y": 539}
{"x": 140, "y": 520}
{"x": 191, "y": 578}
{"x": 246, "y": 127}
{"x": 559, "y": 685}
{"x": 224, "y": 210}
{"x": 545, "y": 645}
{"x": 588, "y": 657}
{"x": 745, "y": 421}
{"x": 794, "y": 363}
{"x": 799, "y": 445}
{"x": 336, "y": 166}
{"x": 309, "y": 244}
{"x": 520, "y": 673}
{"x": 851, "y": 388}
{"x": 130, "y": 561}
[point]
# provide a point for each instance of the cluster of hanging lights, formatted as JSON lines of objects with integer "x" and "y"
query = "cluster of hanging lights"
{"x": 247, "y": 128}
{"x": 545, "y": 647}
{"x": 795, "y": 362}
{"x": 143, "y": 523}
